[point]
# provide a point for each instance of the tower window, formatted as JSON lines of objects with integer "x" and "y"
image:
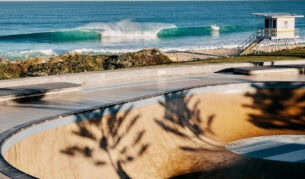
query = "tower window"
{"x": 267, "y": 23}
{"x": 274, "y": 23}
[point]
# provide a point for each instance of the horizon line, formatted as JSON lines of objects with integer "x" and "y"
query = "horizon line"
{"x": 139, "y": 0}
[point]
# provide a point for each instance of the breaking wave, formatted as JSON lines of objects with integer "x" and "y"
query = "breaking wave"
{"x": 128, "y": 28}
{"x": 122, "y": 29}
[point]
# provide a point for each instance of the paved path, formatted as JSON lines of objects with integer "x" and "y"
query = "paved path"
{"x": 12, "y": 115}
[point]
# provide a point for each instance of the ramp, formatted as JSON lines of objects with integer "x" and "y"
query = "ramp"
{"x": 179, "y": 134}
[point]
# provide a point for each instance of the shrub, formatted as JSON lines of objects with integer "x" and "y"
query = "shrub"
{"x": 136, "y": 59}
{"x": 75, "y": 63}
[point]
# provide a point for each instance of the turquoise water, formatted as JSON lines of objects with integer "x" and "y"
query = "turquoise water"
{"x": 49, "y": 28}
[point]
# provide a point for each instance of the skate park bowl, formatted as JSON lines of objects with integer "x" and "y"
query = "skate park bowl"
{"x": 217, "y": 131}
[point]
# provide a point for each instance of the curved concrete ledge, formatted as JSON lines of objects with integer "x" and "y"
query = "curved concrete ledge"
{"x": 66, "y": 118}
{"x": 177, "y": 104}
{"x": 138, "y": 73}
{"x": 36, "y": 92}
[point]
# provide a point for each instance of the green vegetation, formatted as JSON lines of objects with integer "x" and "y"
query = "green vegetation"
{"x": 292, "y": 54}
{"x": 75, "y": 63}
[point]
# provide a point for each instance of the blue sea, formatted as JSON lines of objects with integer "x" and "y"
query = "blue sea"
{"x": 29, "y": 29}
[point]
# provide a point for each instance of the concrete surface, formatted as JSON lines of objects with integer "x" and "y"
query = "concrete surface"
{"x": 91, "y": 78}
{"x": 176, "y": 134}
{"x": 35, "y": 91}
{"x": 288, "y": 148}
{"x": 99, "y": 95}
{"x": 262, "y": 70}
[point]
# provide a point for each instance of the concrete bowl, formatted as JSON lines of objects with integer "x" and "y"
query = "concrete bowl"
{"x": 181, "y": 134}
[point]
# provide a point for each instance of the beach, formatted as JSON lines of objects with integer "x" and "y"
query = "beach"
{"x": 203, "y": 54}
{"x": 190, "y": 55}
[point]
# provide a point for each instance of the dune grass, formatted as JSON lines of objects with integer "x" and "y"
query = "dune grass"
{"x": 75, "y": 63}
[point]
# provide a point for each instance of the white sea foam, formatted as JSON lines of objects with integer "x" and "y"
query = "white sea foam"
{"x": 215, "y": 27}
{"x": 165, "y": 49}
{"x": 28, "y": 53}
{"x": 46, "y": 52}
{"x": 104, "y": 51}
{"x": 128, "y": 29}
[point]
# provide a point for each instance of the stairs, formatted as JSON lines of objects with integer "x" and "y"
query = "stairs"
{"x": 251, "y": 46}
{"x": 251, "y": 42}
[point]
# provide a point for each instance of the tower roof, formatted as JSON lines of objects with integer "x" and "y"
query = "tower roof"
{"x": 277, "y": 15}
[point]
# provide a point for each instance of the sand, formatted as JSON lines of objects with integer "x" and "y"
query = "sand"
{"x": 202, "y": 54}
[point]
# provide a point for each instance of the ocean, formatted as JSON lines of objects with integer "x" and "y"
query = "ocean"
{"x": 29, "y": 29}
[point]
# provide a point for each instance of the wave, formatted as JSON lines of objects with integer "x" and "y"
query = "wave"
{"x": 28, "y": 54}
{"x": 125, "y": 29}
{"x": 201, "y": 31}
{"x": 128, "y": 28}
{"x": 53, "y": 37}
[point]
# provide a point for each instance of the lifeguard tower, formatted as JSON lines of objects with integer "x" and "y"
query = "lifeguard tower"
{"x": 277, "y": 26}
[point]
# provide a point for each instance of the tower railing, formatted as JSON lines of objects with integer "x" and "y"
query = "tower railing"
{"x": 256, "y": 36}
{"x": 260, "y": 33}
{"x": 274, "y": 33}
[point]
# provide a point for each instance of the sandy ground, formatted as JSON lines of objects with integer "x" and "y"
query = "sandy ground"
{"x": 202, "y": 54}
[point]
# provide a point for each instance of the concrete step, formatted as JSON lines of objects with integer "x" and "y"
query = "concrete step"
{"x": 20, "y": 94}
{"x": 261, "y": 70}
{"x": 300, "y": 67}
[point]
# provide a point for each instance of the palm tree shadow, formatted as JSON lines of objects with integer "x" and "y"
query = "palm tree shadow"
{"x": 110, "y": 139}
{"x": 183, "y": 119}
{"x": 278, "y": 105}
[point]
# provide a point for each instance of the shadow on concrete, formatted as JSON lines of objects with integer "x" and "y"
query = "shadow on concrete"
{"x": 250, "y": 169}
{"x": 116, "y": 128}
{"x": 27, "y": 98}
{"x": 33, "y": 93}
{"x": 280, "y": 105}
{"x": 277, "y": 106}
{"x": 110, "y": 139}
{"x": 183, "y": 119}
{"x": 22, "y": 95}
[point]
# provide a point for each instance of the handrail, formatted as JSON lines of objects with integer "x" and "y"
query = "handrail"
{"x": 256, "y": 36}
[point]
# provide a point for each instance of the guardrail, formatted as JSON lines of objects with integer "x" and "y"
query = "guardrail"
{"x": 259, "y": 34}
